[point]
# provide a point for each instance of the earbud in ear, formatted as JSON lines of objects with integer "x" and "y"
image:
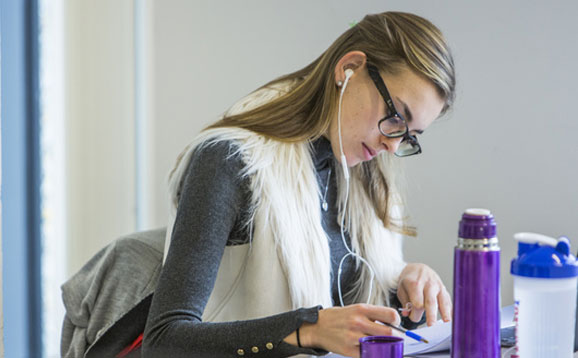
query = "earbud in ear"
{"x": 348, "y": 73}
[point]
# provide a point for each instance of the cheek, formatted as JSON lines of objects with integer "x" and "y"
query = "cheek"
{"x": 360, "y": 119}
{"x": 360, "y": 113}
{"x": 364, "y": 126}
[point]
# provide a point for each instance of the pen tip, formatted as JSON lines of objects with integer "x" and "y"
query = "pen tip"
{"x": 425, "y": 341}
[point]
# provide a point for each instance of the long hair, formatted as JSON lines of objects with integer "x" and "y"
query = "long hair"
{"x": 308, "y": 104}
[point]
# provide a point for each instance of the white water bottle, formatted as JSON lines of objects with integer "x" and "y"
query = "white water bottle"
{"x": 545, "y": 279}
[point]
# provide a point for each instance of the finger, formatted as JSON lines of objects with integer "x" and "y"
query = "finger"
{"x": 445, "y": 303}
{"x": 382, "y": 314}
{"x": 394, "y": 332}
{"x": 404, "y": 300}
{"x": 431, "y": 304}
{"x": 416, "y": 299}
{"x": 406, "y": 310}
{"x": 362, "y": 324}
{"x": 378, "y": 329}
{"x": 416, "y": 314}
{"x": 415, "y": 291}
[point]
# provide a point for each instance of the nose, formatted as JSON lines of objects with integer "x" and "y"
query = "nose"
{"x": 391, "y": 144}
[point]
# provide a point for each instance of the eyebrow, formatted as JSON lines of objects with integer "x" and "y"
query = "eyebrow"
{"x": 406, "y": 110}
{"x": 408, "y": 115}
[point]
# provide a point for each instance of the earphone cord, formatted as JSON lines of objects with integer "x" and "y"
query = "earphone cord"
{"x": 339, "y": 124}
{"x": 346, "y": 174}
{"x": 350, "y": 253}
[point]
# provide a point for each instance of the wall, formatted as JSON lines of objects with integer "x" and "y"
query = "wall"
{"x": 100, "y": 125}
{"x": 508, "y": 145}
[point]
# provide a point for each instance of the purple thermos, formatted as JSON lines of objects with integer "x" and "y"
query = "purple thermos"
{"x": 476, "y": 312}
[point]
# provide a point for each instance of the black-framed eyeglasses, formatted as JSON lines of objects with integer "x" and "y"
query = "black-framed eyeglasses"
{"x": 393, "y": 125}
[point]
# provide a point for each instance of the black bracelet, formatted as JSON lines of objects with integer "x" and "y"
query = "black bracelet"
{"x": 298, "y": 340}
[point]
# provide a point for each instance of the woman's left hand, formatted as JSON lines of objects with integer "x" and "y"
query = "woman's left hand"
{"x": 421, "y": 286}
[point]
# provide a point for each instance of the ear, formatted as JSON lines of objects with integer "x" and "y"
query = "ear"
{"x": 354, "y": 60}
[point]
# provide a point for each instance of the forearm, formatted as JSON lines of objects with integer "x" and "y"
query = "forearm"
{"x": 178, "y": 334}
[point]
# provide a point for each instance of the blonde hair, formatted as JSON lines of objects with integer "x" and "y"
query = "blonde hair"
{"x": 305, "y": 110}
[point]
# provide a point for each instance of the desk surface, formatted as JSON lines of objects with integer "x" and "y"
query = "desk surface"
{"x": 505, "y": 354}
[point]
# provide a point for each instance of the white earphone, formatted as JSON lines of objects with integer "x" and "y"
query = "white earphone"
{"x": 348, "y": 74}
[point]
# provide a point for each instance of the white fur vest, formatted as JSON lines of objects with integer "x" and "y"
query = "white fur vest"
{"x": 287, "y": 263}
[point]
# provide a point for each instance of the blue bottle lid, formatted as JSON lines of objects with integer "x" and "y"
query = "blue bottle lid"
{"x": 540, "y": 256}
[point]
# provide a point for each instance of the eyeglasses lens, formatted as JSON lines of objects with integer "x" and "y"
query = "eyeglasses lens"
{"x": 392, "y": 126}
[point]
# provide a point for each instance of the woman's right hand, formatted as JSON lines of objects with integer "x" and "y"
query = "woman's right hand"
{"x": 338, "y": 329}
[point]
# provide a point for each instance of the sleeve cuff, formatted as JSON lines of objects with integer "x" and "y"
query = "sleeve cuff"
{"x": 309, "y": 315}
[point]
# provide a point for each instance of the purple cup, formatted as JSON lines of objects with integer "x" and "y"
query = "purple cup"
{"x": 381, "y": 347}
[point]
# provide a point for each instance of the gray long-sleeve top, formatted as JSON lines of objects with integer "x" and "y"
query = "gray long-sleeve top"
{"x": 212, "y": 213}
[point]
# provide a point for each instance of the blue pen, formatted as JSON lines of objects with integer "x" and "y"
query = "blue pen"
{"x": 408, "y": 333}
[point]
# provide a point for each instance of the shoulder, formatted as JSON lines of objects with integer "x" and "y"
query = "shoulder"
{"x": 216, "y": 158}
{"x": 217, "y": 151}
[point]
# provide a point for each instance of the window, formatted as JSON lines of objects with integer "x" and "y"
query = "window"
{"x": 20, "y": 179}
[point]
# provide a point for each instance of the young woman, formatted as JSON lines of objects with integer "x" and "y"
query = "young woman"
{"x": 286, "y": 223}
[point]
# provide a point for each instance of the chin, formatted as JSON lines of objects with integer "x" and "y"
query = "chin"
{"x": 353, "y": 163}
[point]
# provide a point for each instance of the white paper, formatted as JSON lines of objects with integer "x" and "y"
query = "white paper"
{"x": 439, "y": 336}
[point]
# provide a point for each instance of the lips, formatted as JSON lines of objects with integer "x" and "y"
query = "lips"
{"x": 368, "y": 152}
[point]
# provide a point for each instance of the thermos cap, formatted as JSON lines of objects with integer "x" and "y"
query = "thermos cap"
{"x": 544, "y": 261}
{"x": 477, "y": 224}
